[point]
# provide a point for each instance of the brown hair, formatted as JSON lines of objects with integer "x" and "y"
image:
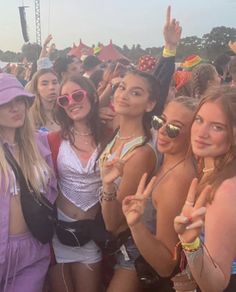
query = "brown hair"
{"x": 225, "y": 165}
{"x": 201, "y": 75}
{"x": 93, "y": 120}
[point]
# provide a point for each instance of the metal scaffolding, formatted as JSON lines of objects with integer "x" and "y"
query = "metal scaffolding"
{"x": 37, "y": 22}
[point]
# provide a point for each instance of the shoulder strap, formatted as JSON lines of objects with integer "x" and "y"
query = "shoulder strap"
{"x": 54, "y": 141}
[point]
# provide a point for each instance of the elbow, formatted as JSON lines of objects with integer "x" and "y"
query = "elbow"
{"x": 166, "y": 270}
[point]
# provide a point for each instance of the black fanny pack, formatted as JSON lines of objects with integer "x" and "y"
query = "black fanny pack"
{"x": 78, "y": 233}
{"x": 39, "y": 213}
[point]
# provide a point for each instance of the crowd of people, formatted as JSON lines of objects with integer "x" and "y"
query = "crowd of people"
{"x": 119, "y": 177}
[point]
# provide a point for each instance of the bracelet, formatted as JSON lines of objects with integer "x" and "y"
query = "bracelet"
{"x": 192, "y": 246}
{"x": 107, "y": 196}
{"x": 168, "y": 53}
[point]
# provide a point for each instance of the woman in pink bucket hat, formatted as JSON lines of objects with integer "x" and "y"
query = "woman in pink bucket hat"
{"x": 24, "y": 259}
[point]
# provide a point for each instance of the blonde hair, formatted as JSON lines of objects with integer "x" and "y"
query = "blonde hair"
{"x": 37, "y": 113}
{"x": 31, "y": 162}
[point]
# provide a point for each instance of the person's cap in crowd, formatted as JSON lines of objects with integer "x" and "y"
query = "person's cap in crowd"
{"x": 11, "y": 88}
{"x": 181, "y": 77}
{"x": 146, "y": 63}
{"x": 190, "y": 62}
{"x": 90, "y": 62}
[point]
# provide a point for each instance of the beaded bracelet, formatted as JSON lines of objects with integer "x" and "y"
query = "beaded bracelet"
{"x": 192, "y": 246}
{"x": 107, "y": 196}
{"x": 168, "y": 53}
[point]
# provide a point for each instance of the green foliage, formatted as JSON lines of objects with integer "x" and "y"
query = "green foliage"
{"x": 209, "y": 46}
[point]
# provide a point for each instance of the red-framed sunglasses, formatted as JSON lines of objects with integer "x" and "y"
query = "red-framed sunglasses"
{"x": 66, "y": 99}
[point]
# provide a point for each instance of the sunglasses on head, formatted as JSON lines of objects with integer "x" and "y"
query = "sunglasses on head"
{"x": 172, "y": 131}
{"x": 66, "y": 99}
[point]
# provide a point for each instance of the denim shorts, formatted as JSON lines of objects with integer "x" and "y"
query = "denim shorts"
{"x": 127, "y": 255}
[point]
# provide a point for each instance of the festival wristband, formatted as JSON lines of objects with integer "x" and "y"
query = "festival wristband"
{"x": 192, "y": 246}
{"x": 168, "y": 53}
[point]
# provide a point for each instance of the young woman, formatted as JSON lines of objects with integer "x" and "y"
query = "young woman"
{"x": 204, "y": 76}
{"x": 24, "y": 260}
{"x": 78, "y": 145}
{"x": 134, "y": 101}
{"x": 211, "y": 202}
{"x": 171, "y": 184}
{"x": 45, "y": 86}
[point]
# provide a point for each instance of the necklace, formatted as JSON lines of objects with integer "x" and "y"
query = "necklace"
{"x": 205, "y": 170}
{"x": 78, "y": 133}
{"x": 168, "y": 171}
{"x": 123, "y": 138}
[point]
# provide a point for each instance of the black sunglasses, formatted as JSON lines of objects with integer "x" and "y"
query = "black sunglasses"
{"x": 172, "y": 130}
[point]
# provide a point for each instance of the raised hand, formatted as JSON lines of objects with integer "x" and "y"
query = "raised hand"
{"x": 112, "y": 169}
{"x": 172, "y": 31}
{"x": 47, "y": 40}
{"x": 191, "y": 220}
{"x": 133, "y": 206}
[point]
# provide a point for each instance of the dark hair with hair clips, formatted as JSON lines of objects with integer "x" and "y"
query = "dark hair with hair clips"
{"x": 202, "y": 74}
{"x": 93, "y": 119}
{"x": 225, "y": 165}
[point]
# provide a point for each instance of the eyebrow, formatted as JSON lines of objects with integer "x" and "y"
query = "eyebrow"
{"x": 135, "y": 87}
{"x": 173, "y": 121}
{"x": 213, "y": 122}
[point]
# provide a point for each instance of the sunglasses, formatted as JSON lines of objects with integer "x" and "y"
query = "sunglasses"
{"x": 66, "y": 99}
{"x": 172, "y": 131}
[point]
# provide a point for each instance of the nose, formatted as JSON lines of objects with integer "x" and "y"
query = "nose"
{"x": 203, "y": 131}
{"x": 162, "y": 129}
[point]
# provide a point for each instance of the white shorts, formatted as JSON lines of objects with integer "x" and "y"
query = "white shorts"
{"x": 89, "y": 253}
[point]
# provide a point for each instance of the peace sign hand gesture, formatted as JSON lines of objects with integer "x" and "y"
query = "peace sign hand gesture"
{"x": 172, "y": 31}
{"x": 113, "y": 169}
{"x": 133, "y": 206}
{"x": 191, "y": 220}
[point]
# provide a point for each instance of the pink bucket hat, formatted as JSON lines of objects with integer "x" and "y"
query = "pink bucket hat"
{"x": 10, "y": 88}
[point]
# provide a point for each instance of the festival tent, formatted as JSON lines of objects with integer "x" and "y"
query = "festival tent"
{"x": 110, "y": 53}
{"x": 80, "y": 50}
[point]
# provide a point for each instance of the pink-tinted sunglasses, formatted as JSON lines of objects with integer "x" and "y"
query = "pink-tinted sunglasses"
{"x": 66, "y": 99}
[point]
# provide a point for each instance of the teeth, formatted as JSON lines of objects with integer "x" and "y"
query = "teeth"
{"x": 76, "y": 109}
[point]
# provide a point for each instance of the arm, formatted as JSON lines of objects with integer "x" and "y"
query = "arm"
{"x": 142, "y": 161}
{"x": 211, "y": 269}
{"x": 166, "y": 65}
{"x": 158, "y": 250}
{"x": 44, "y": 52}
{"x": 220, "y": 240}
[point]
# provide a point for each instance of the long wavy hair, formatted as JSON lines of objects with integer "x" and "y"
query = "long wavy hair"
{"x": 37, "y": 112}
{"x": 31, "y": 162}
{"x": 93, "y": 120}
{"x": 225, "y": 165}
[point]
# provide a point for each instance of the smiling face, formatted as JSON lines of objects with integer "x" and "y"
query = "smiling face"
{"x": 210, "y": 133}
{"x": 76, "y": 111}
{"x": 48, "y": 87}
{"x": 178, "y": 115}
{"x": 131, "y": 98}
{"x": 12, "y": 114}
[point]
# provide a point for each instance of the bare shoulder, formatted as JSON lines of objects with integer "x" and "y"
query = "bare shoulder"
{"x": 142, "y": 154}
{"x": 227, "y": 190}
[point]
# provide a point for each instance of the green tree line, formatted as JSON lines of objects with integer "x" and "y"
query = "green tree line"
{"x": 209, "y": 46}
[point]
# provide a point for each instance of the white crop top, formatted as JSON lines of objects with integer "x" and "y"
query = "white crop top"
{"x": 79, "y": 184}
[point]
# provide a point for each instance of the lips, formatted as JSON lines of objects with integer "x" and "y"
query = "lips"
{"x": 122, "y": 104}
{"x": 17, "y": 117}
{"x": 201, "y": 143}
{"x": 162, "y": 142}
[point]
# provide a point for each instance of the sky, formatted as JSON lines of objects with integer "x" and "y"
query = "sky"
{"x": 124, "y": 21}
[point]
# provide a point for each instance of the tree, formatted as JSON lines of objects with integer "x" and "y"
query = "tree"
{"x": 31, "y": 51}
{"x": 216, "y": 42}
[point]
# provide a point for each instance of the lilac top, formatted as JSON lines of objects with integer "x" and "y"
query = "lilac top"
{"x": 42, "y": 142}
